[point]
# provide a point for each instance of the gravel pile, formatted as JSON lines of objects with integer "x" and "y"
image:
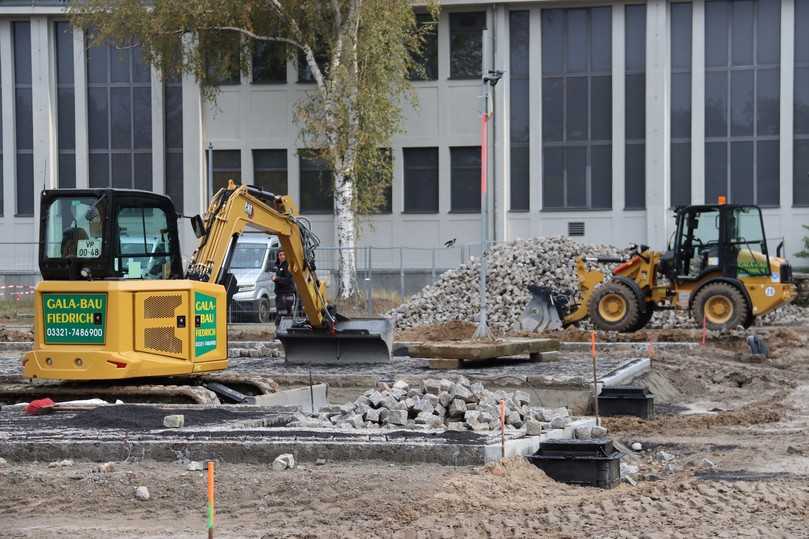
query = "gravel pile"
{"x": 511, "y": 268}
{"x": 455, "y": 404}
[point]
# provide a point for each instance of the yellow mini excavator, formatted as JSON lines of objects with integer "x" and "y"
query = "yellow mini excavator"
{"x": 116, "y": 303}
{"x": 718, "y": 268}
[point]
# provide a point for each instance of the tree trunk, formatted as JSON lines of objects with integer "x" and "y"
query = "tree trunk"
{"x": 346, "y": 237}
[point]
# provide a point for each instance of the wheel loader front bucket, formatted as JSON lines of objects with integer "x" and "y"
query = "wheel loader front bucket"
{"x": 354, "y": 341}
{"x": 543, "y": 310}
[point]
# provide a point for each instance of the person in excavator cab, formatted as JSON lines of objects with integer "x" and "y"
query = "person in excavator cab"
{"x": 284, "y": 288}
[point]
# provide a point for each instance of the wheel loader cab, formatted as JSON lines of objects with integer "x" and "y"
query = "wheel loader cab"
{"x": 727, "y": 240}
{"x": 108, "y": 234}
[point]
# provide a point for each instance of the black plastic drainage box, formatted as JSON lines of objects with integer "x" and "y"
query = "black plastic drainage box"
{"x": 623, "y": 400}
{"x": 580, "y": 462}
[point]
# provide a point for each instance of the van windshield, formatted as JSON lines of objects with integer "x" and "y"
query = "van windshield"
{"x": 248, "y": 255}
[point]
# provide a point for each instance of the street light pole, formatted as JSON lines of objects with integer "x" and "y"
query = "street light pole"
{"x": 491, "y": 79}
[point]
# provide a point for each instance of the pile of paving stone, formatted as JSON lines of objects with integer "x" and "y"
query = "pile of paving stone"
{"x": 455, "y": 404}
{"x": 511, "y": 268}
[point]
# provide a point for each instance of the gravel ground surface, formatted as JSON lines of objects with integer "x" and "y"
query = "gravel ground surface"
{"x": 728, "y": 456}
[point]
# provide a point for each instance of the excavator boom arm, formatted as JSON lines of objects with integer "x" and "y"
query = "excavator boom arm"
{"x": 236, "y": 207}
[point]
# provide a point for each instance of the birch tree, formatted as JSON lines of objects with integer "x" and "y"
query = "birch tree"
{"x": 359, "y": 53}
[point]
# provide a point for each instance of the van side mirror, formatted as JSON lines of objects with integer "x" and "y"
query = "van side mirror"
{"x": 198, "y": 226}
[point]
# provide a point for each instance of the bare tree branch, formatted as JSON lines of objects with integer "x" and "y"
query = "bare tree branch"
{"x": 258, "y": 37}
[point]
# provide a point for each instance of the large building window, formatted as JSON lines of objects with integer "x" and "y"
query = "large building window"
{"x": 119, "y": 109}
{"x": 173, "y": 121}
{"x": 65, "y": 104}
{"x": 420, "y": 180}
{"x": 465, "y": 179}
{"x": 742, "y": 101}
{"x": 427, "y": 59}
{"x": 270, "y": 170}
{"x": 227, "y": 165}
{"x": 520, "y": 108}
{"x": 223, "y": 66}
{"x": 466, "y": 44}
{"x": 635, "y": 108}
{"x": 801, "y": 108}
{"x": 577, "y": 108}
{"x": 269, "y": 63}
{"x": 24, "y": 119}
{"x": 317, "y": 184}
{"x": 680, "y": 104}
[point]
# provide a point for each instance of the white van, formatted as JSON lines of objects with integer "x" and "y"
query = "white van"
{"x": 253, "y": 265}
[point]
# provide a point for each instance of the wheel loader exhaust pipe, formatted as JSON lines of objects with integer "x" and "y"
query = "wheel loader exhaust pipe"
{"x": 354, "y": 341}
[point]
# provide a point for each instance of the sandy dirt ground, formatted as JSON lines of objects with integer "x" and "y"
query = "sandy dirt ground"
{"x": 735, "y": 426}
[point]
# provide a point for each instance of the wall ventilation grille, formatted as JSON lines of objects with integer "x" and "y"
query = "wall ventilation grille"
{"x": 575, "y": 228}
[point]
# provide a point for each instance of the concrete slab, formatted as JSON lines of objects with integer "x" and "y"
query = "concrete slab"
{"x": 249, "y": 434}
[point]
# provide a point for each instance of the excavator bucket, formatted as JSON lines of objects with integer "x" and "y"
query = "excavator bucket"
{"x": 354, "y": 341}
{"x": 543, "y": 310}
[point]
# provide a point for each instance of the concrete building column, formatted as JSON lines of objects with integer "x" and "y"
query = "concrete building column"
{"x": 787, "y": 122}
{"x": 158, "y": 134}
{"x": 43, "y": 88}
{"x": 80, "y": 91}
{"x": 658, "y": 134}
{"x": 9, "y": 146}
{"x": 194, "y": 171}
{"x": 698, "y": 102}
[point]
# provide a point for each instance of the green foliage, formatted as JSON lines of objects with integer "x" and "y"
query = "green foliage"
{"x": 365, "y": 50}
{"x": 805, "y": 252}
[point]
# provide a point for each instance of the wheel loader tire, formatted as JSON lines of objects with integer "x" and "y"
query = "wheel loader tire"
{"x": 724, "y": 306}
{"x": 644, "y": 318}
{"x": 614, "y": 307}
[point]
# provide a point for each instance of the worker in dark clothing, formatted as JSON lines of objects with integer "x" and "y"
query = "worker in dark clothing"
{"x": 284, "y": 288}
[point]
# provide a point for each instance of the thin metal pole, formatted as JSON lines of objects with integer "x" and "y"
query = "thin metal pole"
{"x": 433, "y": 269}
{"x": 210, "y": 170}
{"x": 401, "y": 274}
{"x": 370, "y": 282}
{"x": 482, "y": 330}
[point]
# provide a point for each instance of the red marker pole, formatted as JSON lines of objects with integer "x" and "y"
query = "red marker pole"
{"x": 210, "y": 498}
{"x": 502, "y": 414}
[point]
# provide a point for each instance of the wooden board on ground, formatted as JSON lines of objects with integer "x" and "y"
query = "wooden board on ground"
{"x": 512, "y": 346}
{"x": 443, "y": 363}
{"x": 452, "y": 354}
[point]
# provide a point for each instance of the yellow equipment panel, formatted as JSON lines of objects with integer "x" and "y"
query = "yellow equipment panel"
{"x": 162, "y": 324}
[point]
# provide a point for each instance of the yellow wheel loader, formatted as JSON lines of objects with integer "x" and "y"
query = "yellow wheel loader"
{"x": 718, "y": 269}
{"x": 116, "y": 303}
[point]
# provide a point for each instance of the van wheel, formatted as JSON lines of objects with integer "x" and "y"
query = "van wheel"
{"x": 263, "y": 310}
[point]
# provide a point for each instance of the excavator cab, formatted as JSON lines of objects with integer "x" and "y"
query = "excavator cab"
{"x": 99, "y": 234}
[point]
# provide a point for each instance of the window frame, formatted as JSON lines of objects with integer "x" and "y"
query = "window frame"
{"x": 452, "y": 70}
{"x": 436, "y": 184}
{"x": 453, "y": 152}
{"x": 729, "y": 139}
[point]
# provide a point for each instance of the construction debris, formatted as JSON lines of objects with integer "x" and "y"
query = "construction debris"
{"x": 174, "y": 421}
{"x": 142, "y": 493}
{"x": 453, "y": 404}
{"x": 283, "y": 462}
